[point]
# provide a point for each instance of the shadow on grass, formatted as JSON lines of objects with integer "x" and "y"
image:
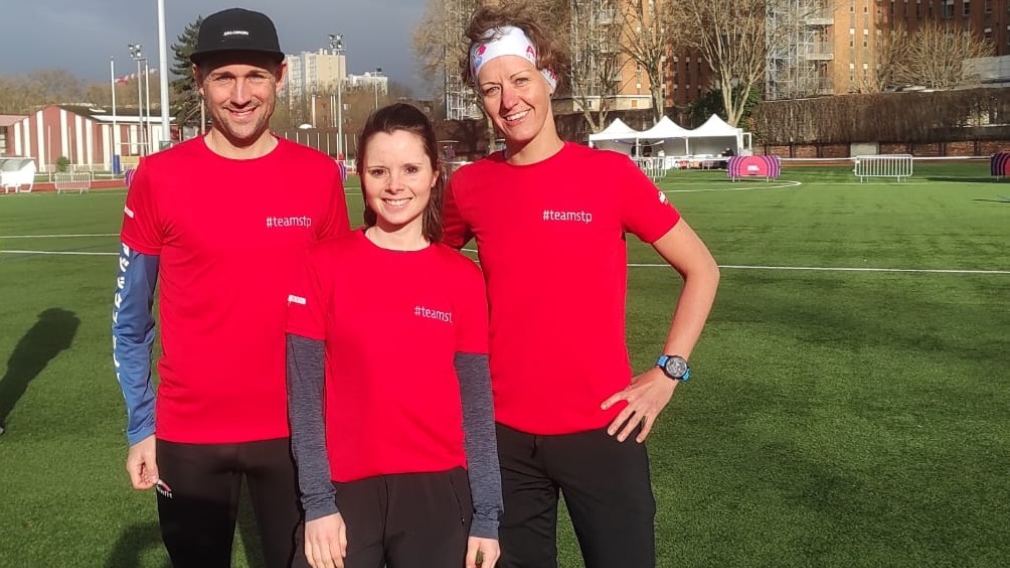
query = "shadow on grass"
{"x": 997, "y": 200}
{"x": 138, "y": 540}
{"x": 52, "y": 333}
{"x": 133, "y": 543}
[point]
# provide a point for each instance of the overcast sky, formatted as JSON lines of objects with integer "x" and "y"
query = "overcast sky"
{"x": 81, "y": 35}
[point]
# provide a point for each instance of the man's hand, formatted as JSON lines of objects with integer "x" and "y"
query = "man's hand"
{"x": 647, "y": 396}
{"x": 141, "y": 464}
{"x": 482, "y": 552}
{"x": 326, "y": 541}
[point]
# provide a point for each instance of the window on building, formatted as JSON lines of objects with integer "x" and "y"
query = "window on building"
{"x": 988, "y": 6}
{"x": 966, "y": 10}
{"x": 987, "y": 33}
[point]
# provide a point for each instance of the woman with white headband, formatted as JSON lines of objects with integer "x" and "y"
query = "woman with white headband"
{"x": 550, "y": 218}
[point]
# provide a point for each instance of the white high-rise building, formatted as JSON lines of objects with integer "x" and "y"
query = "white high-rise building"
{"x": 314, "y": 72}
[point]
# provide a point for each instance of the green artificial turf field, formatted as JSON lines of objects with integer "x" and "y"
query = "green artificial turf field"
{"x": 836, "y": 418}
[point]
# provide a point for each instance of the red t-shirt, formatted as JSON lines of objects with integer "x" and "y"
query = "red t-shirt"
{"x": 551, "y": 241}
{"x": 393, "y": 322}
{"x": 229, "y": 234}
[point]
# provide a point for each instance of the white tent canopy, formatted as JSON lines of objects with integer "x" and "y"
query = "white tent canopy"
{"x": 618, "y": 136}
{"x": 672, "y": 136}
{"x": 709, "y": 139}
{"x": 713, "y": 137}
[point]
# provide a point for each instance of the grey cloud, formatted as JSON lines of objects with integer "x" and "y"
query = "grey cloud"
{"x": 81, "y": 35}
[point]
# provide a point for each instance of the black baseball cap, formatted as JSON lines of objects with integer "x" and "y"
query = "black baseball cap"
{"x": 236, "y": 29}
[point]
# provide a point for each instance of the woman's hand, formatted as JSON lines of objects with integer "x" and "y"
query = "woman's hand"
{"x": 647, "y": 396}
{"x": 326, "y": 541}
{"x": 482, "y": 552}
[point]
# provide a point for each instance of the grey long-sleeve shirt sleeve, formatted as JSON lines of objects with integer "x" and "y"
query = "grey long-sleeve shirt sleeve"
{"x": 306, "y": 382}
{"x": 480, "y": 443}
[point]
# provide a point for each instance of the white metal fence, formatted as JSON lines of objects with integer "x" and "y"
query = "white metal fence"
{"x": 655, "y": 168}
{"x": 72, "y": 181}
{"x": 885, "y": 165}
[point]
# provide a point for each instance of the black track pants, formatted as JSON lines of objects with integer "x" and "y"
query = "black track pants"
{"x": 607, "y": 489}
{"x": 205, "y": 480}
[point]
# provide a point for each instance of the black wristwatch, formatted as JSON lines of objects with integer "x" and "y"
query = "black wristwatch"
{"x": 675, "y": 367}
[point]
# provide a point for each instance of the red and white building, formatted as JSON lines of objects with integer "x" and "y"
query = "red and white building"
{"x": 83, "y": 134}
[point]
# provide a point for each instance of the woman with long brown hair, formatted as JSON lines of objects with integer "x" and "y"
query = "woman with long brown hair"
{"x": 395, "y": 446}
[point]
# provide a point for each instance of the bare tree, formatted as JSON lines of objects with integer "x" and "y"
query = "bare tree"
{"x": 935, "y": 57}
{"x": 890, "y": 51}
{"x": 731, "y": 36}
{"x": 439, "y": 43}
{"x": 20, "y": 94}
{"x": 647, "y": 36}
{"x": 595, "y": 42}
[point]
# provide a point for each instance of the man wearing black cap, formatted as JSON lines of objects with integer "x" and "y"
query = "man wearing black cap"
{"x": 220, "y": 222}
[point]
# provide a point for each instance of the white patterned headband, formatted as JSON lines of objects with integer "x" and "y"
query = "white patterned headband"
{"x": 506, "y": 40}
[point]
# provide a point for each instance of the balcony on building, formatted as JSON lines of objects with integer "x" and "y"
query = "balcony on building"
{"x": 820, "y": 15}
{"x": 820, "y": 51}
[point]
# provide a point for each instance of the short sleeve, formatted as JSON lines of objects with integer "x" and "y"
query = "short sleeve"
{"x": 455, "y": 230}
{"x": 471, "y": 309}
{"x": 307, "y": 299}
{"x": 645, "y": 210}
{"x": 335, "y": 221}
{"x": 142, "y": 227}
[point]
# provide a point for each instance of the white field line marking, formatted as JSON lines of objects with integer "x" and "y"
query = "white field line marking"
{"x": 80, "y": 236}
{"x": 757, "y": 185}
{"x": 735, "y": 187}
{"x": 59, "y": 253}
{"x": 843, "y": 269}
{"x": 825, "y": 268}
{"x": 637, "y": 265}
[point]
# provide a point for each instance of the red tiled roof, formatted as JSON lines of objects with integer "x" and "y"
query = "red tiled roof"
{"x": 10, "y": 119}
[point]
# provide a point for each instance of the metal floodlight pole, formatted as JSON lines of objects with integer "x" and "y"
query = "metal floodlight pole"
{"x": 337, "y": 45}
{"x": 147, "y": 89}
{"x": 166, "y": 129}
{"x": 135, "y": 53}
{"x": 115, "y": 127}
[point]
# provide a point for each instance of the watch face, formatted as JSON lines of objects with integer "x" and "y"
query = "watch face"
{"x": 675, "y": 367}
